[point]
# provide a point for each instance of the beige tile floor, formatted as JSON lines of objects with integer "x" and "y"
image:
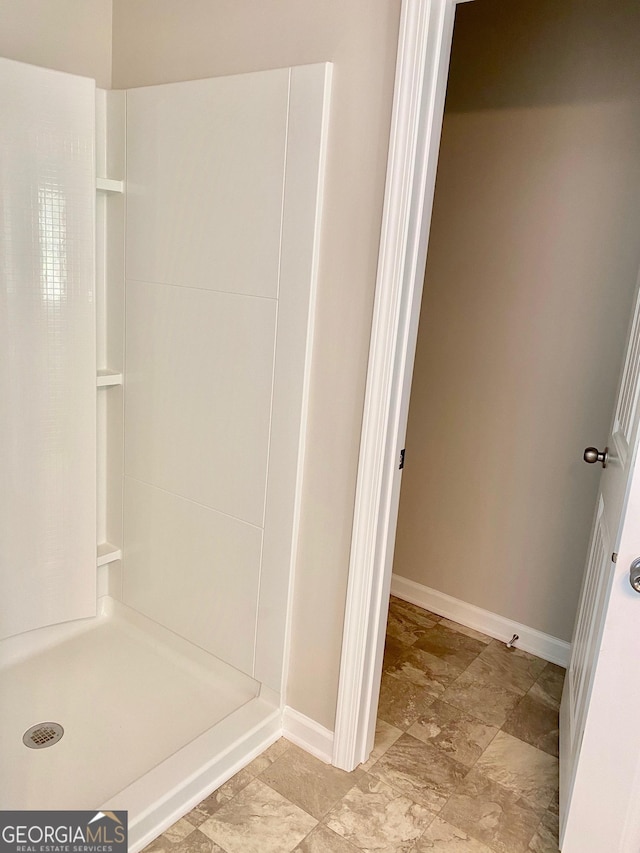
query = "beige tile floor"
{"x": 465, "y": 761}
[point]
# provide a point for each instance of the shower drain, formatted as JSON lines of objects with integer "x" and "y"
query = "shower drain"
{"x": 42, "y": 735}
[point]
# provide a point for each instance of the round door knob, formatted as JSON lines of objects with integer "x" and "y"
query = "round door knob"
{"x": 593, "y": 455}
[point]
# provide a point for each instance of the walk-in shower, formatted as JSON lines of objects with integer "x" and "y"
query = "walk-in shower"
{"x": 167, "y": 238}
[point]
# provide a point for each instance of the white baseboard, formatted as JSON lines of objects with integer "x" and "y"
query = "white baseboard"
{"x": 543, "y": 645}
{"x": 175, "y": 786}
{"x": 306, "y": 733}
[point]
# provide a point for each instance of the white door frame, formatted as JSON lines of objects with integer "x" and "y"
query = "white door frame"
{"x": 424, "y": 50}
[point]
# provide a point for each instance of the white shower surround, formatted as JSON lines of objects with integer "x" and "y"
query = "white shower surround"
{"x": 221, "y": 234}
{"x": 47, "y": 329}
{"x": 247, "y": 723}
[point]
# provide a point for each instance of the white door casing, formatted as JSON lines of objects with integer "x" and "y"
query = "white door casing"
{"x": 424, "y": 50}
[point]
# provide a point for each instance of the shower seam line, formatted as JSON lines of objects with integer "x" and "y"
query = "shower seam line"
{"x": 192, "y": 501}
{"x": 205, "y": 289}
{"x": 273, "y": 375}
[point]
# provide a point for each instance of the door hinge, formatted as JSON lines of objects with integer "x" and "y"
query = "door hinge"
{"x": 614, "y": 557}
{"x": 401, "y": 465}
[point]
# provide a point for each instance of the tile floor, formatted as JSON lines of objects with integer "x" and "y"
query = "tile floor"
{"x": 465, "y": 761}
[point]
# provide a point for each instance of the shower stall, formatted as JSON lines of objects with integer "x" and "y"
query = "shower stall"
{"x": 158, "y": 253}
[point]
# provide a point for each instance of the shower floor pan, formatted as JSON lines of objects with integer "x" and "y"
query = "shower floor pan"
{"x": 151, "y": 722}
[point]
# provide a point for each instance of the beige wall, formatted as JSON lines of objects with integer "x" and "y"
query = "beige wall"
{"x": 157, "y": 41}
{"x": 532, "y": 264}
{"x": 68, "y": 35}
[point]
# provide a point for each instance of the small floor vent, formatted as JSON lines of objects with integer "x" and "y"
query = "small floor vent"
{"x": 42, "y": 735}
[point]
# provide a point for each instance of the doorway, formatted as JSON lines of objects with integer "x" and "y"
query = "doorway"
{"x": 529, "y": 285}
{"x": 609, "y": 90}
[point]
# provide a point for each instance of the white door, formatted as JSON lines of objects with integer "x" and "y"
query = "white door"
{"x": 600, "y": 711}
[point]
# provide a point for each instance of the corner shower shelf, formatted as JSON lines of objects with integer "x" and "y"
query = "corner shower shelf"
{"x": 109, "y": 185}
{"x": 108, "y": 553}
{"x": 107, "y": 378}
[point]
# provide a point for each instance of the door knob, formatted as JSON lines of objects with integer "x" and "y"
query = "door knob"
{"x": 592, "y": 455}
{"x": 634, "y": 575}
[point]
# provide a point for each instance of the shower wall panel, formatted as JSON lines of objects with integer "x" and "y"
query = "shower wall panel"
{"x": 199, "y": 376}
{"x": 223, "y": 200}
{"x": 194, "y": 570}
{"x": 205, "y": 179}
{"x": 205, "y": 166}
{"x": 47, "y": 348}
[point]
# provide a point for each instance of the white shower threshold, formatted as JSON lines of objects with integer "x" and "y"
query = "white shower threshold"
{"x": 152, "y": 723}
